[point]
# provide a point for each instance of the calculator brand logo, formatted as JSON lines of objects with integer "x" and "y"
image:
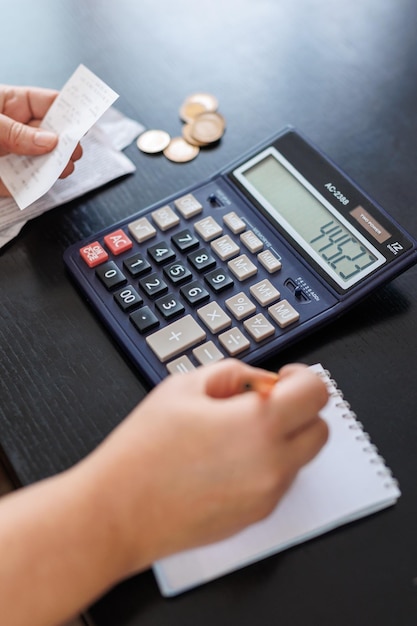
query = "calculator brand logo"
{"x": 395, "y": 247}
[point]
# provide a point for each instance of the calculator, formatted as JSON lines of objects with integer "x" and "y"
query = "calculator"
{"x": 241, "y": 265}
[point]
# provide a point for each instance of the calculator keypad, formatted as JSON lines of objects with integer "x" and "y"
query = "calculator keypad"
{"x": 195, "y": 287}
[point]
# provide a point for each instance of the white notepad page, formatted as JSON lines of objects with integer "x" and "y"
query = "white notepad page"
{"x": 347, "y": 480}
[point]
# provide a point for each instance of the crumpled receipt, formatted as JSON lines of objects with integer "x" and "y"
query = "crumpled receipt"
{"x": 81, "y": 102}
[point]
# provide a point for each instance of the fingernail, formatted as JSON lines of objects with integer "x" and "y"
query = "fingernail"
{"x": 44, "y": 138}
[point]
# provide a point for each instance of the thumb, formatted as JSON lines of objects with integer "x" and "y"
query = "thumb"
{"x": 19, "y": 138}
{"x": 230, "y": 377}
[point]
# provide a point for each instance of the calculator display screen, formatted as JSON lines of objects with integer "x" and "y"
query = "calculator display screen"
{"x": 341, "y": 251}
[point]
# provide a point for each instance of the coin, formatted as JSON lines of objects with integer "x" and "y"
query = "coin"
{"x": 208, "y": 127}
{"x": 209, "y": 101}
{"x": 153, "y": 141}
{"x": 190, "y": 110}
{"x": 186, "y": 133}
{"x": 180, "y": 151}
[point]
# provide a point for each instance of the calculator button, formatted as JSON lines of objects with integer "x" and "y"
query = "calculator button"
{"x": 258, "y": 327}
{"x": 177, "y": 273}
{"x": 142, "y": 229}
{"x": 93, "y": 254}
{"x": 270, "y": 262}
{"x": 251, "y": 241}
{"x": 214, "y": 317}
{"x": 265, "y": 292}
{"x": 240, "y": 306}
{"x": 144, "y": 320}
{"x": 218, "y": 279}
{"x": 234, "y": 342}
{"x": 175, "y": 338}
{"x": 165, "y": 218}
{"x": 185, "y": 240}
{"x": 208, "y": 228}
{"x": 128, "y": 298}
{"x": 188, "y": 206}
{"x": 225, "y": 247}
{"x": 194, "y": 293}
{"x": 182, "y": 365}
{"x": 153, "y": 285}
{"x": 201, "y": 260}
{"x": 169, "y": 306}
{"x": 207, "y": 353}
{"x": 110, "y": 275}
{"x": 136, "y": 265}
{"x": 161, "y": 253}
{"x": 242, "y": 267}
{"x": 283, "y": 313}
{"x": 118, "y": 242}
{"x": 234, "y": 222}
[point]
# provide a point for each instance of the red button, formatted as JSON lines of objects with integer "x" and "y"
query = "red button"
{"x": 94, "y": 254}
{"x": 118, "y": 241}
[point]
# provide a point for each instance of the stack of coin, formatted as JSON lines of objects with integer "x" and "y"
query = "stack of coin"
{"x": 203, "y": 126}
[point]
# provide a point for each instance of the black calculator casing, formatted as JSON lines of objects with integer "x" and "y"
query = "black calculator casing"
{"x": 300, "y": 281}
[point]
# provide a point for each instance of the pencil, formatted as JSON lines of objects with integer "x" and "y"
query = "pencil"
{"x": 262, "y": 386}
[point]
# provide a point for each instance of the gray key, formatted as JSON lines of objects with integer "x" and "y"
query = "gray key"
{"x": 175, "y": 338}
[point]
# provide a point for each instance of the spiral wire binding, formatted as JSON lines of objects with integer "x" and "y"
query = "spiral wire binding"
{"x": 377, "y": 459}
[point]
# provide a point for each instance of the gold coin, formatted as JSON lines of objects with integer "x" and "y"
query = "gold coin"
{"x": 186, "y": 133}
{"x": 208, "y": 127}
{"x": 190, "y": 110}
{"x": 180, "y": 151}
{"x": 209, "y": 101}
{"x": 153, "y": 141}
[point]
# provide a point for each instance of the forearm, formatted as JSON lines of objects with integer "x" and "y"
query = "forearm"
{"x": 196, "y": 461}
{"x": 57, "y": 549}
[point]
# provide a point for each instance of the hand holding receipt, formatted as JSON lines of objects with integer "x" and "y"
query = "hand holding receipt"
{"x": 81, "y": 102}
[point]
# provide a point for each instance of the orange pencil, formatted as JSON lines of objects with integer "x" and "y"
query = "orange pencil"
{"x": 262, "y": 386}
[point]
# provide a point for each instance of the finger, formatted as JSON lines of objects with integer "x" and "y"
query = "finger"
{"x": 295, "y": 400}
{"x": 78, "y": 153}
{"x": 40, "y": 100}
{"x": 4, "y": 192}
{"x": 230, "y": 377}
{"x": 19, "y": 138}
{"x": 26, "y": 103}
{"x": 69, "y": 168}
{"x": 307, "y": 443}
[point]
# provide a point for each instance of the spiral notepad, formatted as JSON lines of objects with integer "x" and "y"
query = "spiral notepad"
{"x": 346, "y": 481}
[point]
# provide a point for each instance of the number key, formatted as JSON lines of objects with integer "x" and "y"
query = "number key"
{"x": 169, "y": 306}
{"x": 201, "y": 260}
{"x": 184, "y": 240}
{"x": 161, "y": 253}
{"x": 128, "y": 298}
{"x": 218, "y": 279}
{"x": 110, "y": 275}
{"x": 153, "y": 286}
{"x": 136, "y": 265}
{"x": 177, "y": 273}
{"x": 194, "y": 293}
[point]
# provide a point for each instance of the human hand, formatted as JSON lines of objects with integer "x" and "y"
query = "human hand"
{"x": 199, "y": 460}
{"x": 21, "y": 112}
{"x": 196, "y": 461}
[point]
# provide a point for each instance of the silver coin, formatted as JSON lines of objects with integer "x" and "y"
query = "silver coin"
{"x": 153, "y": 141}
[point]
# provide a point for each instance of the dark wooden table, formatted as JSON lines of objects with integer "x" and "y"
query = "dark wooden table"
{"x": 345, "y": 74}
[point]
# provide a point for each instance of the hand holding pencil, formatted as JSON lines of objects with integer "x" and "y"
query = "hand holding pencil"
{"x": 212, "y": 450}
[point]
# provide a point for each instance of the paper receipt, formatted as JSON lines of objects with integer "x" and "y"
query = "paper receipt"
{"x": 81, "y": 102}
